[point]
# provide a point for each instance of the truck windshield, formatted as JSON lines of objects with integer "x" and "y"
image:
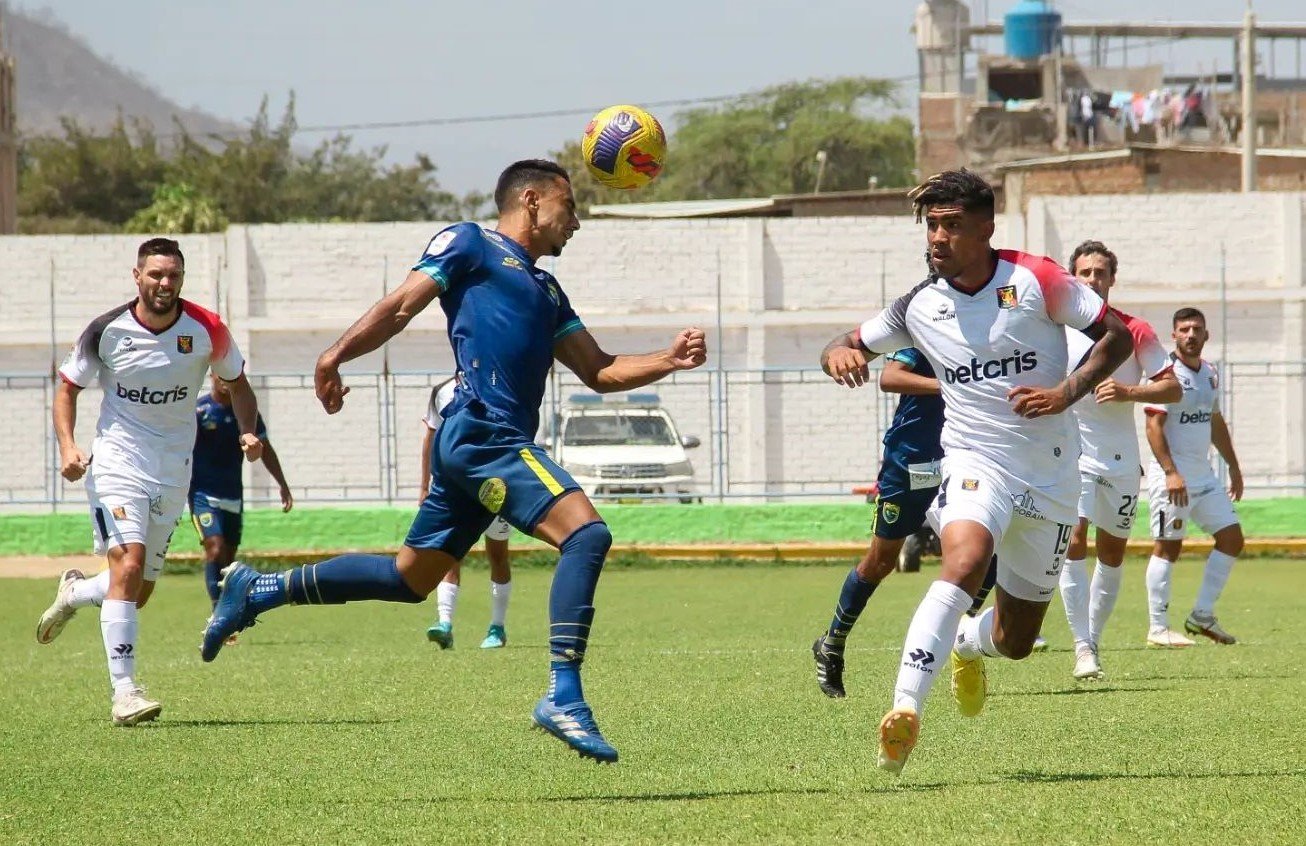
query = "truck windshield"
{"x": 617, "y": 430}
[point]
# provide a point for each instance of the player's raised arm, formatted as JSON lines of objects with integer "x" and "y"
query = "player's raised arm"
{"x": 604, "y": 372}
{"x": 385, "y": 319}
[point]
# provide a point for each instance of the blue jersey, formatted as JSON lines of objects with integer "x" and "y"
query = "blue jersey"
{"x": 217, "y": 457}
{"x": 913, "y": 436}
{"x": 504, "y": 316}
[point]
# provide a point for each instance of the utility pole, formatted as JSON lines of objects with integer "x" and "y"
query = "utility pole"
{"x": 1249, "y": 99}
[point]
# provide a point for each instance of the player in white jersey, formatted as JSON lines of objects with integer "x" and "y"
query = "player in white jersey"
{"x": 496, "y": 547}
{"x": 1109, "y": 464}
{"x": 149, "y": 357}
{"x": 991, "y": 325}
{"x": 1182, "y": 487}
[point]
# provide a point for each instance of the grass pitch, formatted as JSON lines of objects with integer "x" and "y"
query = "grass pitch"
{"x": 343, "y": 725}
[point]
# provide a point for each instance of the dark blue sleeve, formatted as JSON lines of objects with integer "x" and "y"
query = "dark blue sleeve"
{"x": 567, "y": 321}
{"x": 452, "y": 254}
{"x": 909, "y": 356}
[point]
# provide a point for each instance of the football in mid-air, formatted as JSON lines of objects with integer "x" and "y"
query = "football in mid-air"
{"x": 624, "y": 147}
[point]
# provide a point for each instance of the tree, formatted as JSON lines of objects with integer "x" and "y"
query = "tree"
{"x": 766, "y": 143}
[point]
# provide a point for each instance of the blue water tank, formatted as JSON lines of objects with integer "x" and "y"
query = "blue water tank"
{"x": 1031, "y": 29}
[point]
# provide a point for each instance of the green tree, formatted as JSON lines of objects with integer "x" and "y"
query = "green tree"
{"x": 178, "y": 209}
{"x": 766, "y": 143}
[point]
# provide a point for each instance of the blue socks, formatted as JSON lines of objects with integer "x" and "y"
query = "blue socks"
{"x": 571, "y": 608}
{"x": 212, "y": 574}
{"x": 852, "y": 600}
{"x": 345, "y": 578}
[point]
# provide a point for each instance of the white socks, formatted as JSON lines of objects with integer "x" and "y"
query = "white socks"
{"x": 929, "y": 640}
{"x": 1102, "y": 599}
{"x": 1218, "y": 567}
{"x": 1158, "y": 591}
{"x": 446, "y": 599}
{"x": 499, "y": 594}
{"x": 90, "y": 591}
{"x": 118, "y": 626}
{"x": 975, "y": 636}
{"x": 1074, "y": 595}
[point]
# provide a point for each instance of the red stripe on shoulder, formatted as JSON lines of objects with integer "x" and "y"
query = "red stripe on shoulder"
{"x": 1139, "y": 329}
{"x": 219, "y": 337}
{"x": 1048, "y": 273}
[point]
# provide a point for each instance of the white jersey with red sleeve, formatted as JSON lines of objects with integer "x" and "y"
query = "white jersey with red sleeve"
{"x": 1187, "y": 427}
{"x": 983, "y": 344}
{"x": 1108, "y": 441}
{"x": 150, "y": 381}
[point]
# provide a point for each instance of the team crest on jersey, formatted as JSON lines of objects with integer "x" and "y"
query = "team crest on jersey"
{"x": 891, "y": 512}
{"x": 513, "y": 262}
{"x": 553, "y": 293}
{"x": 970, "y": 484}
{"x": 185, "y": 344}
{"x": 1007, "y": 296}
{"x": 119, "y": 512}
{"x": 492, "y": 494}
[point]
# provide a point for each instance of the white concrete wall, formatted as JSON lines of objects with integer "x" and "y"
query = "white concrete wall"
{"x": 784, "y": 287}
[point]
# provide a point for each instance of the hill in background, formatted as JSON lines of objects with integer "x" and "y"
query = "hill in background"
{"x": 59, "y": 75}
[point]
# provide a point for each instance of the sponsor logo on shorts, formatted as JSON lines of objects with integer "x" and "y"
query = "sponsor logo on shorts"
{"x": 970, "y": 484}
{"x": 1023, "y": 504}
{"x": 978, "y": 371}
{"x": 119, "y": 512}
{"x": 185, "y": 344}
{"x": 156, "y": 506}
{"x": 1177, "y": 524}
{"x": 891, "y": 512}
{"x": 492, "y": 494}
{"x": 920, "y": 659}
{"x": 1007, "y": 296}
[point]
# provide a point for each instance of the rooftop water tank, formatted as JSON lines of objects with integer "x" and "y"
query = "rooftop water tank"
{"x": 1031, "y": 29}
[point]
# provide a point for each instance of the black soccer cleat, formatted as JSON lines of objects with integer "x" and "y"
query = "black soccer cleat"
{"x": 829, "y": 670}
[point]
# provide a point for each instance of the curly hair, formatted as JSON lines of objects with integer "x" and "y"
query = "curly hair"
{"x": 963, "y": 187}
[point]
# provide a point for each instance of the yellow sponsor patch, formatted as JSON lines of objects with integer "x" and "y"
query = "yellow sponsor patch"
{"x": 492, "y": 494}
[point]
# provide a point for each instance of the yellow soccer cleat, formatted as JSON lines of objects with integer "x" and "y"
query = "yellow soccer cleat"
{"x": 970, "y": 686}
{"x": 899, "y": 731}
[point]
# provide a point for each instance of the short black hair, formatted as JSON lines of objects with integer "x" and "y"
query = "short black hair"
{"x": 522, "y": 174}
{"x": 1188, "y": 313}
{"x": 963, "y": 187}
{"x": 159, "y": 247}
{"x": 1093, "y": 248}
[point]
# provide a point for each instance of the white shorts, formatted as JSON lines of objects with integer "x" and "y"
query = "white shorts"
{"x": 1030, "y": 525}
{"x": 499, "y": 529}
{"x": 125, "y": 510}
{"x": 1109, "y": 502}
{"x": 1208, "y": 506}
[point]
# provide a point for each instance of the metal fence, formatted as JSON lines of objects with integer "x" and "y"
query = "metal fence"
{"x": 771, "y": 433}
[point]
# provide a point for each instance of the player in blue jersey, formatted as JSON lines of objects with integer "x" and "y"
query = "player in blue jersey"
{"x": 508, "y": 320}
{"x": 908, "y": 482}
{"x": 217, "y": 491}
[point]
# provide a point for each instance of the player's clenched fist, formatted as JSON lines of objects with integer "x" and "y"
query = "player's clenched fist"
{"x": 72, "y": 464}
{"x": 329, "y": 387}
{"x": 689, "y": 349}
{"x": 847, "y": 366}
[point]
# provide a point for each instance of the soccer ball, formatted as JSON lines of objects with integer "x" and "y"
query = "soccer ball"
{"x": 624, "y": 147}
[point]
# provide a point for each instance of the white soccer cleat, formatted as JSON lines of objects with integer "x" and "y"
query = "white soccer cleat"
{"x": 1086, "y": 663}
{"x": 61, "y": 610}
{"x": 1164, "y": 638}
{"x": 131, "y": 706}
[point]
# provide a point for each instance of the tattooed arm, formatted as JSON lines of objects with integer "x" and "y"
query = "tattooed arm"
{"x": 1113, "y": 345}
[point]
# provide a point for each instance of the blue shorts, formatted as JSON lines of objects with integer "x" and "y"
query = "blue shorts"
{"x": 481, "y": 468}
{"x": 211, "y": 521}
{"x": 899, "y": 510}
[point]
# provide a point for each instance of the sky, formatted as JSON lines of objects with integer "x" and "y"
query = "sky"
{"x": 402, "y": 60}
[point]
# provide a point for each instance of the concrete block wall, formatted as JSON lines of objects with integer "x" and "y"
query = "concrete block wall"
{"x": 785, "y": 287}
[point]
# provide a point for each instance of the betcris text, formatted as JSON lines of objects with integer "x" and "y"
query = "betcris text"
{"x": 1194, "y": 417}
{"x": 145, "y": 396}
{"x": 978, "y": 371}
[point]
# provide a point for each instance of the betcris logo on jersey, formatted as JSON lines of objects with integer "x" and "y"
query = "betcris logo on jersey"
{"x": 994, "y": 368}
{"x": 1194, "y": 417}
{"x": 147, "y": 396}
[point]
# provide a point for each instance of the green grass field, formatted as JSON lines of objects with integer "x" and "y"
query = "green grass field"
{"x": 343, "y": 725}
{"x": 329, "y": 529}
